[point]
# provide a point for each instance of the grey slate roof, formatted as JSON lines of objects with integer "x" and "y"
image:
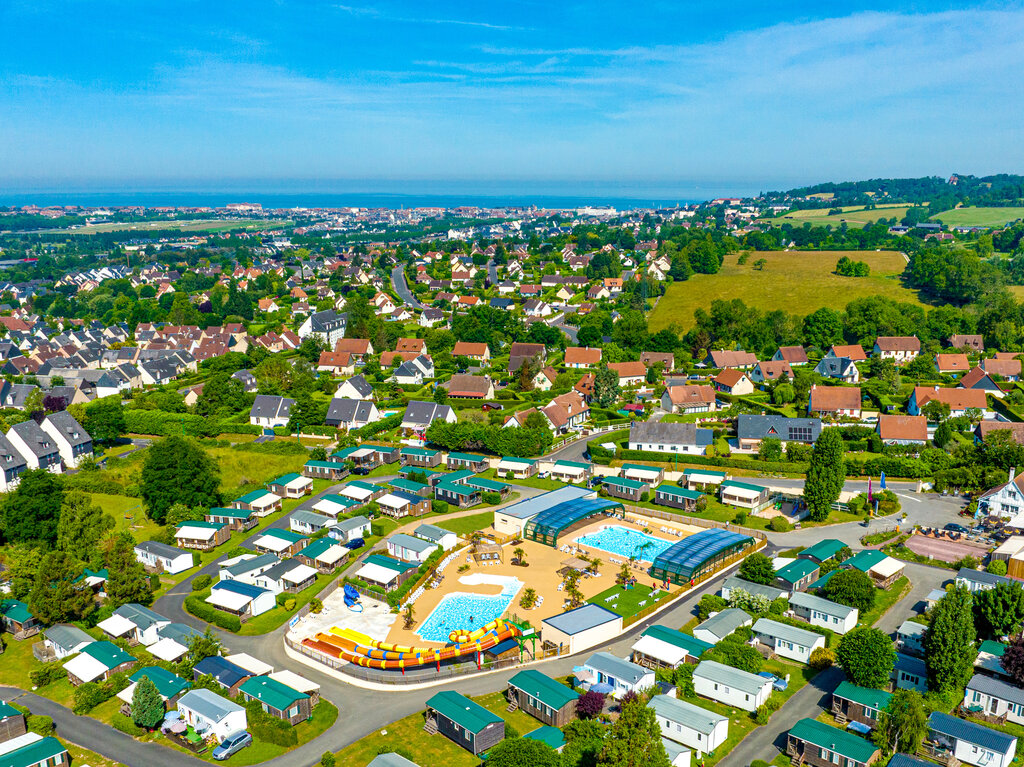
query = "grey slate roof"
{"x": 616, "y": 667}
{"x": 38, "y": 441}
{"x": 670, "y": 433}
{"x": 996, "y": 688}
{"x": 757, "y": 589}
{"x": 268, "y": 406}
{"x": 822, "y": 605}
{"x": 160, "y": 549}
{"x": 10, "y": 458}
{"x": 835, "y": 367}
{"x": 725, "y": 622}
{"x": 345, "y": 525}
{"x": 361, "y": 385}
{"x": 750, "y": 426}
{"x": 71, "y": 430}
{"x": 208, "y": 704}
{"x": 424, "y": 413}
{"x": 348, "y": 411}
{"x": 784, "y": 631}
{"x": 686, "y": 714}
{"x": 731, "y": 677}
{"x": 969, "y": 732}
{"x": 252, "y": 564}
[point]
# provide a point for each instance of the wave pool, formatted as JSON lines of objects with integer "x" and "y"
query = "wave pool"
{"x": 467, "y": 612}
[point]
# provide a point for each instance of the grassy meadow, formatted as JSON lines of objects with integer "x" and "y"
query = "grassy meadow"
{"x": 979, "y": 216}
{"x": 854, "y": 216}
{"x": 799, "y": 281}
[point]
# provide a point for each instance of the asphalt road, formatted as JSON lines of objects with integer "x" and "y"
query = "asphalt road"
{"x": 402, "y": 288}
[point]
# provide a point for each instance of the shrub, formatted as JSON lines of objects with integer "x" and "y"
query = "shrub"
{"x": 439, "y": 507}
{"x": 201, "y": 582}
{"x": 315, "y": 605}
{"x": 710, "y": 603}
{"x": 996, "y": 567}
{"x": 40, "y": 725}
{"x": 267, "y": 728}
{"x": 208, "y": 613}
{"x": 970, "y": 562}
{"x": 89, "y": 695}
{"x": 327, "y": 760}
{"x": 780, "y": 524}
{"x": 123, "y": 723}
{"x": 740, "y": 518}
{"x": 589, "y": 705}
{"x": 48, "y": 673}
{"x": 645, "y": 497}
{"x": 491, "y": 499}
{"x": 289, "y": 604}
{"x": 821, "y": 659}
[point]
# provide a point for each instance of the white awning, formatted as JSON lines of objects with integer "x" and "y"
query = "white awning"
{"x": 190, "y": 533}
{"x": 332, "y": 555}
{"x": 656, "y": 648}
{"x": 355, "y": 492}
{"x": 249, "y": 663}
{"x": 328, "y": 507}
{"x": 504, "y": 465}
{"x": 569, "y": 471}
{"x": 116, "y": 626}
{"x": 85, "y": 667}
{"x": 376, "y": 573}
{"x": 643, "y": 474}
{"x": 227, "y": 599}
{"x": 271, "y": 543}
{"x": 296, "y": 682}
{"x": 362, "y": 452}
{"x": 888, "y": 567}
{"x": 741, "y": 492}
{"x": 392, "y": 501}
{"x": 167, "y": 649}
{"x": 299, "y": 574}
{"x": 265, "y": 500}
{"x": 299, "y": 482}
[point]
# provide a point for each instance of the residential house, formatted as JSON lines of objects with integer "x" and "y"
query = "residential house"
{"x": 731, "y": 686}
{"x": 660, "y": 437}
{"x": 268, "y": 410}
{"x": 820, "y": 745}
{"x": 464, "y": 722}
{"x": 12, "y": 463}
{"x": 1008, "y": 370}
{"x": 839, "y": 368}
{"x": 676, "y": 497}
{"x": 667, "y": 360}
{"x": 202, "y": 535}
{"x": 516, "y": 468}
{"x": 97, "y": 662}
{"x": 328, "y": 325}
{"x": 16, "y": 619}
{"x": 688, "y": 399}
{"x": 788, "y": 641}
{"x": 771, "y": 370}
{"x": 822, "y": 551}
{"x": 261, "y": 501}
{"x": 744, "y": 495}
{"x": 690, "y": 725}
{"x": 470, "y": 387}
{"x": 478, "y": 352}
{"x": 566, "y": 412}
{"x": 993, "y": 697}
{"x": 445, "y": 539}
{"x": 280, "y": 543}
{"x": 1005, "y": 500}
{"x": 884, "y": 570}
{"x": 235, "y": 519}
{"x": 972, "y": 343}
{"x": 578, "y": 357}
{"x": 823, "y": 613}
{"x": 33, "y": 750}
{"x": 751, "y": 430}
{"x": 291, "y": 486}
{"x": 355, "y": 388}
{"x": 73, "y": 442}
{"x": 958, "y": 400}
{"x": 542, "y": 697}
{"x": 796, "y": 575}
{"x": 210, "y": 714}
{"x": 135, "y": 623}
{"x": 571, "y": 472}
{"x": 323, "y": 555}
{"x": 969, "y": 742}
{"x": 277, "y": 699}
{"x": 419, "y": 415}
{"x": 349, "y": 414}
{"x": 62, "y": 641}
{"x": 242, "y": 599}
{"x": 160, "y": 557}
{"x": 630, "y": 373}
{"x": 952, "y": 364}
{"x": 900, "y": 349}
{"x": 858, "y": 704}
{"x": 835, "y": 401}
{"x": 627, "y": 489}
{"x": 976, "y": 378}
{"x": 724, "y": 358}
{"x": 38, "y": 448}
{"x": 853, "y": 351}
{"x": 733, "y": 381}
{"x": 614, "y": 676}
{"x": 794, "y": 355}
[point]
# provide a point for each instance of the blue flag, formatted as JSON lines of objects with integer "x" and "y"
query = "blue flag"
{"x": 883, "y": 480}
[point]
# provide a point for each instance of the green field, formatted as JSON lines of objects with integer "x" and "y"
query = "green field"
{"x": 794, "y": 281}
{"x": 628, "y": 603}
{"x": 994, "y": 217}
{"x": 197, "y": 225}
{"x": 854, "y": 216}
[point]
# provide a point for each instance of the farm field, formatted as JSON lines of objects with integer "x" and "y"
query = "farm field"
{"x": 197, "y": 225}
{"x": 853, "y": 216}
{"x": 979, "y": 216}
{"x": 800, "y": 281}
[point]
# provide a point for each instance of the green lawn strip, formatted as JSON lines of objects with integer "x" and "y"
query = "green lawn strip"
{"x": 627, "y": 605}
{"x": 540, "y": 483}
{"x": 17, "y": 661}
{"x": 884, "y": 599}
{"x": 83, "y": 756}
{"x": 128, "y": 514}
{"x": 407, "y": 737}
{"x": 270, "y": 620}
{"x": 980, "y": 216}
{"x": 467, "y": 525}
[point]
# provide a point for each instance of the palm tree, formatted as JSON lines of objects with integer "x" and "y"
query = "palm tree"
{"x": 623, "y": 574}
{"x": 409, "y": 616}
{"x": 594, "y": 564}
{"x": 519, "y": 554}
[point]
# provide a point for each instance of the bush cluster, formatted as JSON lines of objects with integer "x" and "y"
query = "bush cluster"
{"x": 267, "y": 728}
{"x": 201, "y": 582}
{"x": 210, "y": 614}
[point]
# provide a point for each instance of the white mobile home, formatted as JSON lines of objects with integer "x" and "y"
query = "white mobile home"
{"x": 615, "y": 676}
{"x": 995, "y": 698}
{"x": 690, "y": 725}
{"x": 824, "y": 612}
{"x": 970, "y": 742}
{"x": 788, "y": 641}
{"x": 730, "y": 686}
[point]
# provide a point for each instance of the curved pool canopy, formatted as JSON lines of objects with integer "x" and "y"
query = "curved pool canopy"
{"x": 552, "y": 522}
{"x": 697, "y": 554}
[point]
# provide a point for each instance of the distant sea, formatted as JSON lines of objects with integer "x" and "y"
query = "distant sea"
{"x": 270, "y": 197}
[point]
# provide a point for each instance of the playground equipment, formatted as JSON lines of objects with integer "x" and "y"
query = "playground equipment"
{"x": 352, "y": 599}
{"x": 362, "y": 650}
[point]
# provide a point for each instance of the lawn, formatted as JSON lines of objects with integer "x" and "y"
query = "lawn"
{"x": 540, "y": 483}
{"x": 884, "y": 599}
{"x": 406, "y": 736}
{"x": 128, "y": 514}
{"x": 467, "y": 525}
{"x": 270, "y": 620}
{"x": 792, "y": 281}
{"x": 994, "y": 217}
{"x": 628, "y": 603}
{"x": 854, "y": 216}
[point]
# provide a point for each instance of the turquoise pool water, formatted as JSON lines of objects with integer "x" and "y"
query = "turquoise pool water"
{"x": 625, "y": 542}
{"x": 466, "y": 612}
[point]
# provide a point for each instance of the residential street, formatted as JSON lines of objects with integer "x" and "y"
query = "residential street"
{"x": 402, "y": 288}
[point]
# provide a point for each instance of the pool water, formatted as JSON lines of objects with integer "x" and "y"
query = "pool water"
{"x": 467, "y": 612}
{"x": 625, "y": 542}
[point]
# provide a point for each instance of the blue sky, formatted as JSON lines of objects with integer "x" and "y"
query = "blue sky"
{"x": 638, "y": 95}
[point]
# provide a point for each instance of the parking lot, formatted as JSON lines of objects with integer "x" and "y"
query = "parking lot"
{"x": 944, "y": 549}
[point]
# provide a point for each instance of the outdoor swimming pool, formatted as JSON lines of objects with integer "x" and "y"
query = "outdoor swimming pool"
{"x": 464, "y": 611}
{"x": 625, "y": 542}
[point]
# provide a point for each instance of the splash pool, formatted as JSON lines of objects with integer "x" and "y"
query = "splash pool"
{"x": 625, "y": 542}
{"x": 469, "y": 611}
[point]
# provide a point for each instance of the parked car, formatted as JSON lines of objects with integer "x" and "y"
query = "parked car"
{"x": 953, "y": 527}
{"x": 231, "y": 745}
{"x": 355, "y": 543}
{"x": 361, "y": 470}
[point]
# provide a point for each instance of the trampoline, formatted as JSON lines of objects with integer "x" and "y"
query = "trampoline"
{"x": 697, "y": 554}
{"x": 552, "y": 522}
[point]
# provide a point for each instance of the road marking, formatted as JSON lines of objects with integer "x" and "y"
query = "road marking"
{"x": 909, "y": 497}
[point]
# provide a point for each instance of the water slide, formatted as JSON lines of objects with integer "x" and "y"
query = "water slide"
{"x": 362, "y": 650}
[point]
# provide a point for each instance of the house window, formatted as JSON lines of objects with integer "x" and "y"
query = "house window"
{"x": 826, "y": 756}
{"x": 293, "y": 711}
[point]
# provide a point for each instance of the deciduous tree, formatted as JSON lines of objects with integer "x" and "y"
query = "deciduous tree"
{"x": 825, "y": 475}
{"x": 82, "y": 524}
{"x": 852, "y": 588}
{"x": 999, "y": 611}
{"x": 634, "y": 740}
{"x": 902, "y": 724}
{"x": 949, "y": 651}
{"x": 177, "y": 470}
{"x": 867, "y": 657}
{"x": 31, "y": 513}
{"x": 757, "y": 568}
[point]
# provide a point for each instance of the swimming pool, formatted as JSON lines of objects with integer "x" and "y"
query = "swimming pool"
{"x": 464, "y": 611}
{"x": 625, "y": 542}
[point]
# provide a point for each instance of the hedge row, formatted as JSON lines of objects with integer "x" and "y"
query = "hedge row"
{"x": 207, "y": 613}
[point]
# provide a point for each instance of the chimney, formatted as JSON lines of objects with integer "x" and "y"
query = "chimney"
{"x": 1013, "y": 471}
